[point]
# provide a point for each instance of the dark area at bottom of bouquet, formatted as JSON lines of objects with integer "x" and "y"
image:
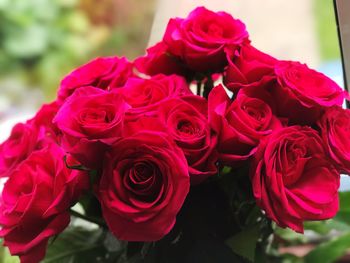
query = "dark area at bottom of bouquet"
{"x": 199, "y": 235}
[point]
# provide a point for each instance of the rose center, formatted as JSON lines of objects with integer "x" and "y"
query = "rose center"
{"x": 215, "y": 30}
{"x": 96, "y": 116}
{"x": 186, "y": 128}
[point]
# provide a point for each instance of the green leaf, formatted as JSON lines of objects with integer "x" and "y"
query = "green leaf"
{"x": 5, "y": 256}
{"x": 291, "y": 236}
{"x": 330, "y": 251}
{"x": 320, "y": 227}
{"x": 76, "y": 245}
{"x": 244, "y": 243}
{"x": 288, "y": 258}
{"x": 343, "y": 214}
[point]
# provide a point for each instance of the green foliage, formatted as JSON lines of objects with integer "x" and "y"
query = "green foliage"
{"x": 77, "y": 245}
{"x": 337, "y": 242}
{"x": 326, "y": 29}
{"x": 330, "y": 251}
{"x": 244, "y": 243}
{"x": 5, "y": 256}
{"x": 42, "y": 40}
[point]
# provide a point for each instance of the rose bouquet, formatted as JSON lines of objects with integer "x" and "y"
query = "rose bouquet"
{"x": 169, "y": 165}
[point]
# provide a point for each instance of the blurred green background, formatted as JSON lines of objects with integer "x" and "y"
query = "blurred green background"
{"x": 42, "y": 40}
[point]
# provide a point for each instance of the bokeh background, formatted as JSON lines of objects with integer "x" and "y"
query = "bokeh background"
{"x": 43, "y": 40}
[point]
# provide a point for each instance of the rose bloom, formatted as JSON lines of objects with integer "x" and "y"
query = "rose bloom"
{"x": 106, "y": 73}
{"x": 335, "y": 127}
{"x": 186, "y": 122}
{"x": 144, "y": 95}
{"x": 292, "y": 179}
{"x": 242, "y": 123}
{"x": 21, "y": 143}
{"x": 28, "y": 137}
{"x": 43, "y": 119}
{"x": 35, "y": 202}
{"x": 201, "y": 38}
{"x": 302, "y": 93}
{"x": 159, "y": 61}
{"x": 90, "y": 120}
{"x": 143, "y": 186}
{"x": 248, "y": 67}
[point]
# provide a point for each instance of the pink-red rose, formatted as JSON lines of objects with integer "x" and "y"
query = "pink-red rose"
{"x": 90, "y": 120}
{"x": 35, "y": 201}
{"x": 200, "y": 39}
{"x": 28, "y": 137}
{"x": 21, "y": 143}
{"x": 335, "y": 127}
{"x": 292, "y": 179}
{"x": 144, "y": 184}
{"x": 242, "y": 123}
{"x": 105, "y": 73}
{"x": 144, "y": 95}
{"x": 248, "y": 67}
{"x": 159, "y": 61}
{"x": 302, "y": 93}
{"x": 186, "y": 122}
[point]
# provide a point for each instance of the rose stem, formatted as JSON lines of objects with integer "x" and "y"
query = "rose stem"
{"x": 87, "y": 218}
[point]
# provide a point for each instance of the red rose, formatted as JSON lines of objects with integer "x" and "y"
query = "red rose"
{"x": 335, "y": 127}
{"x": 187, "y": 123}
{"x": 35, "y": 202}
{"x": 159, "y": 61}
{"x": 90, "y": 120}
{"x": 105, "y": 73}
{"x": 21, "y": 143}
{"x": 303, "y": 93}
{"x": 248, "y": 67}
{"x": 241, "y": 124}
{"x": 144, "y": 184}
{"x": 144, "y": 95}
{"x": 28, "y": 137}
{"x": 201, "y": 38}
{"x": 293, "y": 180}
{"x": 43, "y": 120}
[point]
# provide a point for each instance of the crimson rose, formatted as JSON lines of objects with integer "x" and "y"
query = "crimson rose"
{"x": 241, "y": 124}
{"x": 105, "y": 73}
{"x": 144, "y": 184}
{"x": 335, "y": 127}
{"x": 248, "y": 66}
{"x": 187, "y": 123}
{"x": 159, "y": 61}
{"x": 144, "y": 95}
{"x": 35, "y": 201}
{"x": 201, "y": 38}
{"x": 90, "y": 120}
{"x": 293, "y": 180}
{"x": 302, "y": 93}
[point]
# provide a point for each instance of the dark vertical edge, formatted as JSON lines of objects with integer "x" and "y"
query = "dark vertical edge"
{"x": 341, "y": 50}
